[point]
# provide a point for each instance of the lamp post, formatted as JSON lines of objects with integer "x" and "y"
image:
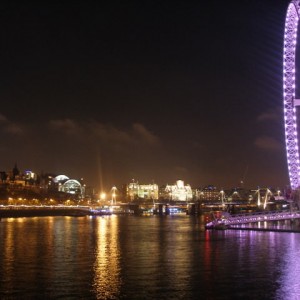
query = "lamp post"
{"x": 114, "y": 195}
{"x": 102, "y": 196}
{"x": 222, "y": 198}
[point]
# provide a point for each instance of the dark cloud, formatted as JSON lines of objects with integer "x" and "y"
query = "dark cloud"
{"x": 267, "y": 143}
{"x": 10, "y": 127}
{"x": 96, "y": 131}
{"x": 273, "y": 114}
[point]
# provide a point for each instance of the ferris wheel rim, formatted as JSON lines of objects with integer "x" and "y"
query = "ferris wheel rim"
{"x": 289, "y": 87}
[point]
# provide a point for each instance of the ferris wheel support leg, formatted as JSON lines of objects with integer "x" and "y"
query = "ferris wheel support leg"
{"x": 295, "y": 199}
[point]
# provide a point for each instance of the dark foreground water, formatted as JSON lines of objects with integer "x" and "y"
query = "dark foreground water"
{"x": 130, "y": 257}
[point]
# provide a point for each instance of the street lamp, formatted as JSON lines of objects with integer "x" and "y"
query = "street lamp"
{"x": 114, "y": 195}
{"x": 222, "y": 198}
{"x": 103, "y": 196}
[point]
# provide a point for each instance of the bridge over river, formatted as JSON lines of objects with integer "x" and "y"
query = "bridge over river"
{"x": 229, "y": 220}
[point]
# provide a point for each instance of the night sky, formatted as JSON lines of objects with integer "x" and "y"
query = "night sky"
{"x": 157, "y": 91}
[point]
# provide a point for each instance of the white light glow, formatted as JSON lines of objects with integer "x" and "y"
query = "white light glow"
{"x": 289, "y": 86}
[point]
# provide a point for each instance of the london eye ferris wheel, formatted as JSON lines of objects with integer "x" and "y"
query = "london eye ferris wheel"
{"x": 289, "y": 92}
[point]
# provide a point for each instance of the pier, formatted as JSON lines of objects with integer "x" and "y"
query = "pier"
{"x": 229, "y": 220}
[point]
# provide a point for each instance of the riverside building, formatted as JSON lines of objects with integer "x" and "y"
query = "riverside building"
{"x": 178, "y": 192}
{"x": 136, "y": 191}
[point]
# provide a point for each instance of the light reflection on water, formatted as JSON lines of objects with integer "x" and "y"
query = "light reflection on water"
{"x": 107, "y": 279}
{"x": 128, "y": 257}
{"x": 288, "y": 282}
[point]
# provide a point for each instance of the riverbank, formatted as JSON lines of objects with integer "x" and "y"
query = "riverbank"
{"x": 42, "y": 211}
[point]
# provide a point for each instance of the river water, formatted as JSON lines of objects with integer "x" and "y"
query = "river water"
{"x": 139, "y": 257}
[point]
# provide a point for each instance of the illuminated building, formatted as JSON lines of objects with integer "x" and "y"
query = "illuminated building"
{"x": 30, "y": 176}
{"x": 209, "y": 193}
{"x": 135, "y": 191}
{"x": 69, "y": 186}
{"x": 178, "y": 191}
{"x": 16, "y": 178}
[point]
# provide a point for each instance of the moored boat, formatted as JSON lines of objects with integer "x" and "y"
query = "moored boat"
{"x": 219, "y": 225}
{"x": 218, "y": 222}
{"x": 100, "y": 212}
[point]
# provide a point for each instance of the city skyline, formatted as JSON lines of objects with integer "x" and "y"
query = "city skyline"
{"x": 15, "y": 175}
{"x": 151, "y": 91}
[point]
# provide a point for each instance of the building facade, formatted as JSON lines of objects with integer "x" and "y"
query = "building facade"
{"x": 135, "y": 191}
{"x": 178, "y": 192}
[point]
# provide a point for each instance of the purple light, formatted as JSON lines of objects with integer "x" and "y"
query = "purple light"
{"x": 290, "y": 39}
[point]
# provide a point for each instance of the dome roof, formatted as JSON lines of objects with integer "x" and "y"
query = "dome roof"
{"x": 60, "y": 178}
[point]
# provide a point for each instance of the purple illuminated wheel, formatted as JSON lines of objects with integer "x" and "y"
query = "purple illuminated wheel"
{"x": 290, "y": 101}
